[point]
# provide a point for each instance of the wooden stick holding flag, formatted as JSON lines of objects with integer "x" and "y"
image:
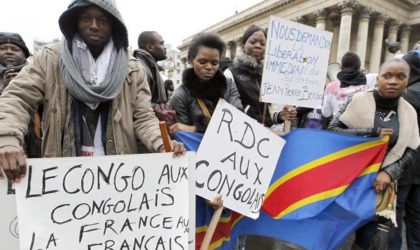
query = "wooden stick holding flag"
{"x": 212, "y": 227}
{"x": 217, "y": 203}
{"x": 286, "y": 127}
{"x": 165, "y": 136}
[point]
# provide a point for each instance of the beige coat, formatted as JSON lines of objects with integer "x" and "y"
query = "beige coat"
{"x": 40, "y": 82}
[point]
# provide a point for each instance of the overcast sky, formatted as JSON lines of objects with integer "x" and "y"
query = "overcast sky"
{"x": 173, "y": 19}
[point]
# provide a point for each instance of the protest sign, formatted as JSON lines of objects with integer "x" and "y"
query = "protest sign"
{"x": 191, "y": 192}
{"x": 109, "y": 202}
{"x": 236, "y": 159}
{"x": 295, "y": 65}
{"x": 9, "y": 233}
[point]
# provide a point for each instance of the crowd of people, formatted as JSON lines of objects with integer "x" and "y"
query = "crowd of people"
{"x": 87, "y": 96}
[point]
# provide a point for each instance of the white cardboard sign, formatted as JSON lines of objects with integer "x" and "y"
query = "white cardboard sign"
{"x": 236, "y": 159}
{"x": 295, "y": 65}
{"x": 109, "y": 202}
{"x": 9, "y": 233}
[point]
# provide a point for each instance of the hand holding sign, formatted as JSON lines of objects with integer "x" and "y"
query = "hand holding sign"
{"x": 217, "y": 202}
{"x": 12, "y": 160}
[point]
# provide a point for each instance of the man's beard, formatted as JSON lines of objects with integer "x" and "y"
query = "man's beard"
{"x": 159, "y": 57}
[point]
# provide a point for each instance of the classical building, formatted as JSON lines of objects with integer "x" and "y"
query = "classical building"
{"x": 361, "y": 26}
{"x": 173, "y": 65}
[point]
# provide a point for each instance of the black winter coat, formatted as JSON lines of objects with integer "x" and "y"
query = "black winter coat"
{"x": 184, "y": 99}
{"x": 247, "y": 74}
{"x": 412, "y": 95}
{"x": 412, "y": 175}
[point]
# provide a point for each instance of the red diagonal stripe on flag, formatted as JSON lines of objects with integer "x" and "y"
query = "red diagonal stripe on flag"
{"x": 322, "y": 178}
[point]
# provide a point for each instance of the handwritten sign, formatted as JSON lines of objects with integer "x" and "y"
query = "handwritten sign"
{"x": 295, "y": 65}
{"x": 236, "y": 159}
{"x": 110, "y": 202}
{"x": 9, "y": 233}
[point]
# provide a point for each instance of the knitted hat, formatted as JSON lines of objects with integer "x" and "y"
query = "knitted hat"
{"x": 68, "y": 20}
{"x": 251, "y": 30}
{"x": 6, "y": 37}
{"x": 350, "y": 60}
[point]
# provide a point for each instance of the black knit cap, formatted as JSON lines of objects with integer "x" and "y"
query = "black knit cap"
{"x": 14, "y": 38}
{"x": 350, "y": 60}
{"x": 251, "y": 30}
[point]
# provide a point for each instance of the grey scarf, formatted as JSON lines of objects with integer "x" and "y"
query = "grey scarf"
{"x": 157, "y": 86}
{"x": 85, "y": 91}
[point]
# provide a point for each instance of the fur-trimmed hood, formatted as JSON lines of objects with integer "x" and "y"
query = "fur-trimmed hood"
{"x": 211, "y": 90}
{"x": 249, "y": 63}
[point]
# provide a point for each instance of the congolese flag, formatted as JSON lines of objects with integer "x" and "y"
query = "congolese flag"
{"x": 321, "y": 191}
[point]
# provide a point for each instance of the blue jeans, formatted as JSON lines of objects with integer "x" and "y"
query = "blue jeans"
{"x": 408, "y": 208}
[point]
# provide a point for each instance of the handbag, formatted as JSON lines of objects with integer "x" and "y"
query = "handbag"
{"x": 164, "y": 112}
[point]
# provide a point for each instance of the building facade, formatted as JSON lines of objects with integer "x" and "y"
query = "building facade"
{"x": 172, "y": 66}
{"x": 360, "y": 26}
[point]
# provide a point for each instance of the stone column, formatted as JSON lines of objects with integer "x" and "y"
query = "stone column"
{"x": 334, "y": 44}
{"x": 362, "y": 34}
{"x": 231, "y": 49}
{"x": 237, "y": 49}
{"x": 392, "y": 36}
{"x": 347, "y": 10}
{"x": 321, "y": 19}
{"x": 405, "y": 38}
{"x": 378, "y": 35}
{"x": 228, "y": 54}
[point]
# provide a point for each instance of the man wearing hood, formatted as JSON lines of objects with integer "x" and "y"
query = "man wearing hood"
{"x": 96, "y": 99}
{"x": 13, "y": 55}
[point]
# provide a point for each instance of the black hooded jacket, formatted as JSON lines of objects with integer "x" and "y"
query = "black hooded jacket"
{"x": 247, "y": 74}
{"x": 412, "y": 95}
